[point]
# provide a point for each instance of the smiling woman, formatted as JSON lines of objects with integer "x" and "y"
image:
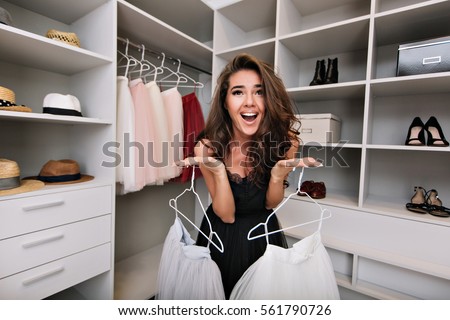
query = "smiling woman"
{"x": 245, "y": 154}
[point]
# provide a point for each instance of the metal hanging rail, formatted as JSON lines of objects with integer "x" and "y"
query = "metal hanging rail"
{"x": 151, "y": 51}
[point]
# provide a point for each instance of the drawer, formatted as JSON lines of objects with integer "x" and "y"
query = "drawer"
{"x": 24, "y": 215}
{"x": 56, "y": 276}
{"x": 37, "y": 248}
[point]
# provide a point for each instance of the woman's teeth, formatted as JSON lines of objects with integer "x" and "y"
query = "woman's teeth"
{"x": 249, "y": 116}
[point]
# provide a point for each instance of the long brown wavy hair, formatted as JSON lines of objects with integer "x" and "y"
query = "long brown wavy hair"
{"x": 277, "y": 129}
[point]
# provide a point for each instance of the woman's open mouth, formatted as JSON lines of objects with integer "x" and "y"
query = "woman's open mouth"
{"x": 249, "y": 116}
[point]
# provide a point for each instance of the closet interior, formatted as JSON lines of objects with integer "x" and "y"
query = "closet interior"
{"x": 378, "y": 248}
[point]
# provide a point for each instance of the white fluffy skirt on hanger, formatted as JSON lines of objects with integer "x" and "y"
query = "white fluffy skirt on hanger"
{"x": 186, "y": 271}
{"x": 303, "y": 272}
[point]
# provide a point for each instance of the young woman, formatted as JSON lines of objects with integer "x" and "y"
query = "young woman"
{"x": 245, "y": 154}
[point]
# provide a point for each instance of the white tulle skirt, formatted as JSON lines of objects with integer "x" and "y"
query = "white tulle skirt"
{"x": 186, "y": 271}
{"x": 303, "y": 272}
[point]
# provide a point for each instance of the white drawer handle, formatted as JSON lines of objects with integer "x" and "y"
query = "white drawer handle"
{"x": 41, "y": 276}
{"x": 35, "y": 243}
{"x": 43, "y": 205}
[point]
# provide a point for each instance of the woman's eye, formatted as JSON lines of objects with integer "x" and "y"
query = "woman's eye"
{"x": 236, "y": 93}
{"x": 259, "y": 93}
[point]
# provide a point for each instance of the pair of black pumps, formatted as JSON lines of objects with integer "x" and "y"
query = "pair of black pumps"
{"x": 435, "y": 135}
{"x": 326, "y": 75}
{"x": 427, "y": 202}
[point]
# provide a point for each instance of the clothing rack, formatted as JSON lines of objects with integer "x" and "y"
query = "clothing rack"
{"x": 154, "y": 52}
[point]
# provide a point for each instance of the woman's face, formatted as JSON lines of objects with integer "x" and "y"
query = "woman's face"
{"x": 245, "y": 103}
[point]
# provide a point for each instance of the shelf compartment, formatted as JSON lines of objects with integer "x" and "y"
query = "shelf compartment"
{"x": 181, "y": 15}
{"x": 140, "y": 27}
{"x": 46, "y": 54}
{"x": 263, "y": 50}
{"x": 340, "y": 174}
{"x": 298, "y": 15}
{"x": 428, "y": 19}
{"x": 398, "y": 279}
{"x": 238, "y": 24}
{"x": 297, "y": 54}
{"x": 401, "y": 170}
{"x": 350, "y": 111}
{"x": 391, "y": 117}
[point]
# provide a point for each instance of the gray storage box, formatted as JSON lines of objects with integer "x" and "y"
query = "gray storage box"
{"x": 427, "y": 56}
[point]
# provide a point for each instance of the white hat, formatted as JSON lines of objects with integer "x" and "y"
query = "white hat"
{"x": 66, "y": 105}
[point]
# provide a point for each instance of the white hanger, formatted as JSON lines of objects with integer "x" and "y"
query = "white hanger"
{"x": 180, "y": 79}
{"x": 173, "y": 204}
{"x": 267, "y": 233}
{"x": 195, "y": 84}
{"x": 131, "y": 61}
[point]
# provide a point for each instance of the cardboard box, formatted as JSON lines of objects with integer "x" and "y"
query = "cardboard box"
{"x": 422, "y": 57}
{"x": 320, "y": 128}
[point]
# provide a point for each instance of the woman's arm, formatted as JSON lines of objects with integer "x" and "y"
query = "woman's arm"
{"x": 275, "y": 190}
{"x": 216, "y": 179}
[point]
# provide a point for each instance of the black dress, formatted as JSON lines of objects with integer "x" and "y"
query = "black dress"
{"x": 239, "y": 252}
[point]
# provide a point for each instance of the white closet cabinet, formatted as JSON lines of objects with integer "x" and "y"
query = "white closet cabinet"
{"x": 182, "y": 30}
{"x": 58, "y": 237}
{"x": 378, "y": 248}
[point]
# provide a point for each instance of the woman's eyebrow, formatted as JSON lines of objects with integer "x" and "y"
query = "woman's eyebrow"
{"x": 240, "y": 86}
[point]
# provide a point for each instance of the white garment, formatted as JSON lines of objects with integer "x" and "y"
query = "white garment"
{"x": 125, "y": 170}
{"x": 159, "y": 155}
{"x": 173, "y": 106}
{"x": 303, "y": 272}
{"x": 186, "y": 271}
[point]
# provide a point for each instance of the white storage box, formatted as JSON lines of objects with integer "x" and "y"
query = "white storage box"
{"x": 320, "y": 128}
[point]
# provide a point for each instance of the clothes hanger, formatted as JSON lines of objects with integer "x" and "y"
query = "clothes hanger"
{"x": 165, "y": 80}
{"x": 144, "y": 66}
{"x": 130, "y": 60}
{"x": 156, "y": 70}
{"x": 173, "y": 204}
{"x": 195, "y": 84}
{"x": 267, "y": 233}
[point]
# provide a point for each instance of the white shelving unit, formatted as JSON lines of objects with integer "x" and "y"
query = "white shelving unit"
{"x": 378, "y": 248}
{"x": 82, "y": 215}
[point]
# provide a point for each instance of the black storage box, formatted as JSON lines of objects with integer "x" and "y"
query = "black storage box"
{"x": 427, "y": 56}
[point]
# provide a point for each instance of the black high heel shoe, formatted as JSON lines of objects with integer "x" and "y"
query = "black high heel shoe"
{"x": 435, "y": 135}
{"x": 418, "y": 203}
{"x": 435, "y": 206}
{"x": 416, "y": 133}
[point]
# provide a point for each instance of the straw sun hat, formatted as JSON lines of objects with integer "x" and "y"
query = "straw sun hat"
{"x": 65, "y": 171}
{"x": 8, "y": 101}
{"x": 10, "y": 182}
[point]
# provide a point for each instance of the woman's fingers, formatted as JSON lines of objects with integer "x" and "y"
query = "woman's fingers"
{"x": 303, "y": 162}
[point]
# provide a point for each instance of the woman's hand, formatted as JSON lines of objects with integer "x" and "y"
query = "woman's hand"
{"x": 283, "y": 167}
{"x": 216, "y": 167}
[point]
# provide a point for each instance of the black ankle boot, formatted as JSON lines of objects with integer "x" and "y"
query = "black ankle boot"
{"x": 319, "y": 74}
{"x": 332, "y": 71}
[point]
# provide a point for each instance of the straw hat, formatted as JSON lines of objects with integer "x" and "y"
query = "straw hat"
{"x": 59, "y": 104}
{"x": 5, "y": 17}
{"x": 65, "y": 171}
{"x": 8, "y": 101}
{"x": 67, "y": 37}
{"x": 10, "y": 182}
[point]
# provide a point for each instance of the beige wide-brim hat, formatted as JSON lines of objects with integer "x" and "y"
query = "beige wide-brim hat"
{"x": 10, "y": 182}
{"x": 8, "y": 101}
{"x": 65, "y": 171}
